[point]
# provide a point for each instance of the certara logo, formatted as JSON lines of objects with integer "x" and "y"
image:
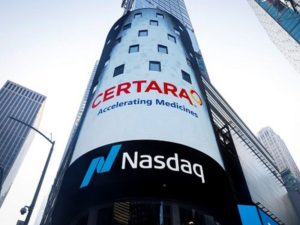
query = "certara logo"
{"x": 138, "y": 86}
{"x": 144, "y": 161}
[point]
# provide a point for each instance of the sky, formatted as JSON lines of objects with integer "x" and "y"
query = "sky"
{"x": 51, "y": 47}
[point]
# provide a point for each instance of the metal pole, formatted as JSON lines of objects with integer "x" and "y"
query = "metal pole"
{"x": 38, "y": 188}
{"x": 32, "y": 205}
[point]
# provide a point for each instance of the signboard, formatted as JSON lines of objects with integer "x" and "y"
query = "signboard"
{"x": 251, "y": 215}
{"x": 144, "y": 169}
{"x": 266, "y": 220}
{"x": 148, "y": 109}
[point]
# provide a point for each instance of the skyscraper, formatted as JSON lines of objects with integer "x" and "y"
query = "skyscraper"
{"x": 156, "y": 143}
{"x": 26, "y": 105}
{"x": 277, "y": 148}
{"x": 282, "y": 23}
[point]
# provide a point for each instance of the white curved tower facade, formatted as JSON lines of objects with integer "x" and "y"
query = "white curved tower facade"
{"x": 146, "y": 144}
{"x": 148, "y": 90}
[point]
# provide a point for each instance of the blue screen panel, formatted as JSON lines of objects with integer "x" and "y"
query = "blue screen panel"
{"x": 249, "y": 215}
{"x": 266, "y": 219}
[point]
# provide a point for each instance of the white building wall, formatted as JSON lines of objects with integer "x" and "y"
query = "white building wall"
{"x": 155, "y": 122}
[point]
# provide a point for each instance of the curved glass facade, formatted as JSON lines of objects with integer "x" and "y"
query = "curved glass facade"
{"x": 144, "y": 213}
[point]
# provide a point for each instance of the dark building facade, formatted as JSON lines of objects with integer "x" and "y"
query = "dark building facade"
{"x": 156, "y": 143}
{"x": 26, "y": 105}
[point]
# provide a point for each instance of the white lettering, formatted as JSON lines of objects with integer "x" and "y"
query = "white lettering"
{"x": 200, "y": 172}
{"x": 146, "y": 163}
{"x": 175, "y": 160}
{"x": 132, "y": 164}
{"x": 161, "y": 163}
{"x": 187, "y": 167}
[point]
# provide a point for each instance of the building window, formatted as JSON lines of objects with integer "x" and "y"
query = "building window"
{"x": 127, "y": 26}
{"x": 118, "y": 40}
{"x": 143, "y": 33}
{"x": 162, "y": 49}
{"x": 106, "y": 62}
{"x": 159, "y": 15}
{"x": 119, "y": 70}
{"x": 176, "y": 31}
{"x": 116, "y": 27}
{"x": 186, "y": 76}
{"x": 154, "y": 22}
{"x": 134, "y": 48}
{"x": 188, "y": 61}
{"x": 108, "y": 42}
{"x": 171, "y": 38}
{"x": 180, "y": 28}
{"x": 137, "y": 15}
{"x": 154, "y": 66}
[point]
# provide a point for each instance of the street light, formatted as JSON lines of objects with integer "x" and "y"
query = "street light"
{"x": 31, "y": 206}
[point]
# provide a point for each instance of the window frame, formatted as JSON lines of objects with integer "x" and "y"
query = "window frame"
{"x": 153, "y": 23}
{"x": 186, "y": 76}
{"x": 137, "y": 15}
{"x": 141, "y": 31}
{"x": 155, "y": 63}
{"x": 176, "y": 31}
{"x": 126, "y": 26}
{"x": 116, "y": 27}
{"x": 107, "y": 62}
{"x": 132, "y": 47}
{"x": 118, "y": 40}
{"x": 159, "y": 46}
{"x": 160, "y": 15}
{"x": 171, "y": 38}
{"x": 116, "y": 72}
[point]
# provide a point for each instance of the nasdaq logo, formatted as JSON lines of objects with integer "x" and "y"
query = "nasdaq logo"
{"x": 100, "y": 165}
{"x": 136, "y": 161}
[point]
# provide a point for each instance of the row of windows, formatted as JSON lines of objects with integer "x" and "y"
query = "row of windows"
{"x": 153, "y": 66}
{"x": 22, "y": 91}
{"x": 144, "y": 33}
{"x": 136, "y": 48}
{"x": 158, "y": 15}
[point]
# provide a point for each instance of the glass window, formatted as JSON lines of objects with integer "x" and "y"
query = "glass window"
{"x": 171, "y": 38}
{"x": 127, "y": 26}
{"x": 154, "y": 66}
{"x": 154, "y": 22}
{"x": 188, "y": 61}
{"x": 134, "y": 48}
{"x": 176, "y": 31}
{"x": 186, "y": 76}
{"x": 106, "y": 62}
{"x": 116, "y": 27}
{"x": 119, "y": 70}
{"x": 108, "y": 42}
{"x": 143, "y": 33}
{"x": 162, "y": 49}
{"x": 118, "y": 40}
{"x": 159, "y": 15}
{"x": 137, "y": 15}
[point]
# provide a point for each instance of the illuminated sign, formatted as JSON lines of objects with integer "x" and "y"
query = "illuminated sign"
{"x": 150, "y": 109}
{"x": 141, "y": 161}
{"x": 138, "y": 86}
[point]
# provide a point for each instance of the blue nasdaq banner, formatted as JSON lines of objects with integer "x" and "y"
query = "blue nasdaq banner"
{"x": 266, "y": 219}
{"x": 249, "y": 215}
